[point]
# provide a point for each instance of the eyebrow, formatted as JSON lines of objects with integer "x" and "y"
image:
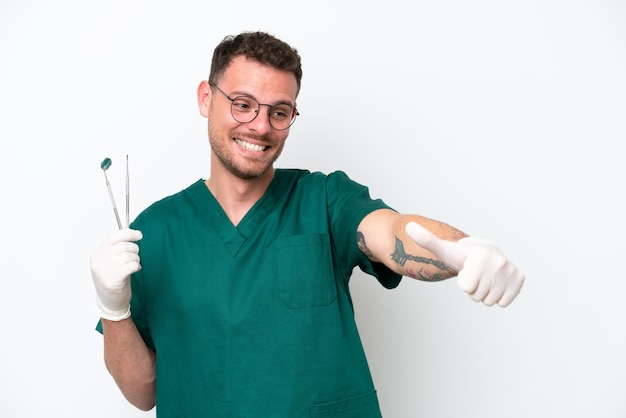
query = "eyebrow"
{"x": 237, "y": 93}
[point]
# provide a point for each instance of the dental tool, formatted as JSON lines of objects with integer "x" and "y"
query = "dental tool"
{"x": 127, "y": 195}
{"x": 106, "y": 163}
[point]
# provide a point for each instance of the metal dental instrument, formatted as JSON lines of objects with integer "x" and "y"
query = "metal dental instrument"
{"x": 106, "y": 163}
{"x": 127, "y": 195}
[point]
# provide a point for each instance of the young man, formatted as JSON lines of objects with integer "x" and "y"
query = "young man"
{"x": 240, "y": 303}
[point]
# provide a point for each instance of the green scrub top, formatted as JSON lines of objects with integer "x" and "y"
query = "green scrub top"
{"x": 257, "y": 320}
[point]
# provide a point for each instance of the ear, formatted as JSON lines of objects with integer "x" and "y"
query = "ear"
{"x": 204, "y": 97}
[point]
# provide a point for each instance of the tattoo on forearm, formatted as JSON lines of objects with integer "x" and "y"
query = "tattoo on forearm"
{"x": 401, "y": 257}
{"x": 425, "y": 275}
{"x": 360, "y": 240}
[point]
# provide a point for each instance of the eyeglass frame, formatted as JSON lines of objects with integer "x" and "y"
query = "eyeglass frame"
{"x": 295, "y": 111}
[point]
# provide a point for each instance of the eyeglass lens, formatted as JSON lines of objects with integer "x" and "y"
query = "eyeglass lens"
{"x": 244, "y": 109}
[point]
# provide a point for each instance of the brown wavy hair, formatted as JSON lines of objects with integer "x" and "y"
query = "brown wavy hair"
{"x": 260, "y": 46}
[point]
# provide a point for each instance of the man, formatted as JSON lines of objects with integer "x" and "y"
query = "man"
{"x": 240, "y": 303}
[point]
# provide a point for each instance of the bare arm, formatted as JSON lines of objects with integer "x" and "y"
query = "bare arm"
{"x": 381, "y": 236}
{"x": 131, "y": 363}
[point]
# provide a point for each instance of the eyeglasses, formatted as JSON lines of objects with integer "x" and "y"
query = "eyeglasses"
{"x": 245, "y": 109}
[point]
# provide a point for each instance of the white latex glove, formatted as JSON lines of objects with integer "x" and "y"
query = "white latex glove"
{"x": 112, "y": 263}
{"x": 483, "y": 272}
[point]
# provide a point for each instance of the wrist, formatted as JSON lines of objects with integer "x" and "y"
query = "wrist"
{"x": 112, "y": 314}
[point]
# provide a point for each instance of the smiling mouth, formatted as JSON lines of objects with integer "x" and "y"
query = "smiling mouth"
{"x": 251, "y": 147}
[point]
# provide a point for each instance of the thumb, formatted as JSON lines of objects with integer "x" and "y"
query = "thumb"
{"x": 124, "y": 235}
{"x": 447, "y": 251}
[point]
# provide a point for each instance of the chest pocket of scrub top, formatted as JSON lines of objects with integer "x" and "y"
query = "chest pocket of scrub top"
{"x": 305, "y": 271}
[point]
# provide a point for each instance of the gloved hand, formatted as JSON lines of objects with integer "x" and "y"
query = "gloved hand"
{"x": 112, "y": 263}
{"x": 483, "y": 272}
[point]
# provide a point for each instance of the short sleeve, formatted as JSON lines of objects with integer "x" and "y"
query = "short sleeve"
{"x": 348, "y": 203}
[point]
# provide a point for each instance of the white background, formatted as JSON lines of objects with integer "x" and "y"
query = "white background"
{"x": 505, "y": 119}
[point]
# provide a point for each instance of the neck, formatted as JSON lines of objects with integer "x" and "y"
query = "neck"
{"x": 236, "y": 195}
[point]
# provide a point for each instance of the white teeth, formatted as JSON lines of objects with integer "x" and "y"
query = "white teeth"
{"x": 250, "y": 146}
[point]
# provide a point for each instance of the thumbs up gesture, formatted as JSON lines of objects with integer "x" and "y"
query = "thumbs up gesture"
{"x": 483, "y": 272}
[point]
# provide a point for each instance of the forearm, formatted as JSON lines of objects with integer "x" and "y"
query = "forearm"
{"x": 409, "y": 259}
{"x": 383, "y": 239}
{"x": 131, "y": 363}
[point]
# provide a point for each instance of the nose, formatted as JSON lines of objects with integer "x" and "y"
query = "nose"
{"x": 261, "y": 122}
